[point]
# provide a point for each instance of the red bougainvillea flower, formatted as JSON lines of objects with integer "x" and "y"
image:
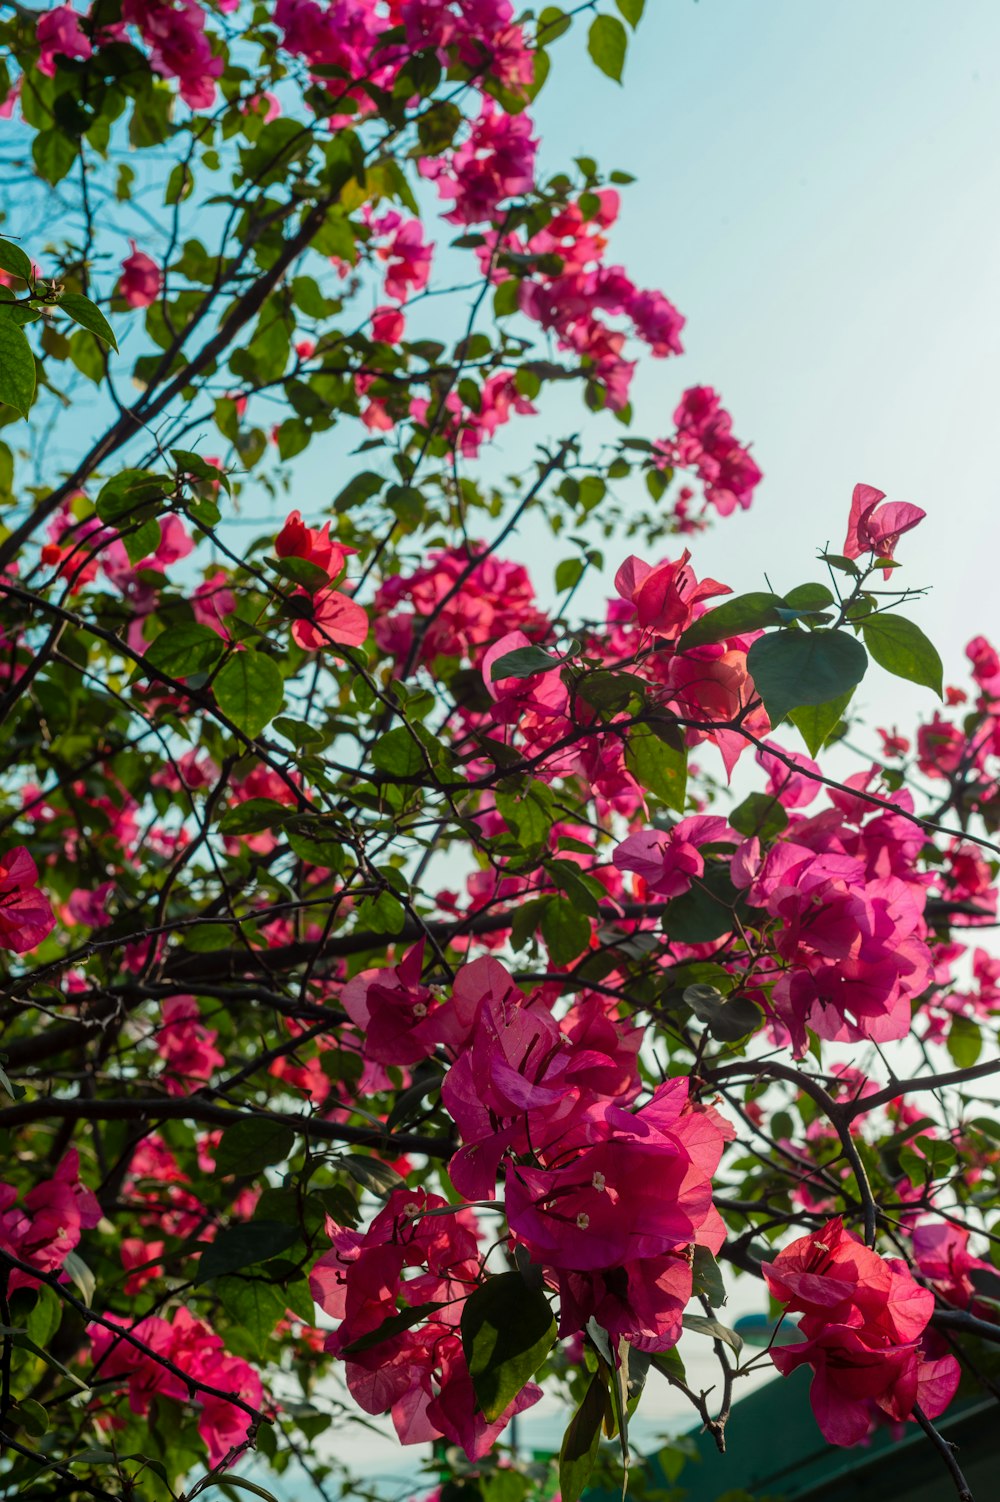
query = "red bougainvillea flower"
{"x": 863, "y": 1317}
{"x": 141, "y": 279}
{"x": 26, "y": 917}
{"x": 665, "y": 596}
{"x": 324, "y": 617}
{"x": 877, "y": 529}
{"x": 315, "y": 545}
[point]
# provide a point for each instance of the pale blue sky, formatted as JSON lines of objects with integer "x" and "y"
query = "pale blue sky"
{"x": 819, "y": 192}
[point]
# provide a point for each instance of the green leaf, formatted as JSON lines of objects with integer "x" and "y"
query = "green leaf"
{"x": 361, "y": 488}
{"x": 184, "y": 650}
{"x": 44, "y": 1319}
{"x": 565, "y": 929}
{"x": 581, "y": 1441}
{"x": 191, "y": 464}
{"x": 659, "y": 765}
{"x": 750, "y": 612}
{"x": 632, "y": 10}
{"x": 523, "y": 662}
{"x": 14, "y": 260}
{"x": 141, "y": 540}
{"x": 817, "y": 722}
{"x": 507, "y": 1332}
{"x": 32, "y": 1417}
{"x": 249, "y": 689}
{"x": 250, "y": 1145}
{"x": 254, "y": 815}
{"x": 242, "y": 1484}
{"x": 89, "y": 316}
{"x": 569, "y": 573}
{"x": 759, "y": 815}
{"x": 809, "y": 597}
{"x": 529, "y": 816}
{"x": 902, "y": 648}
{"x": 399, "y": 753}
{"x": 715, "y": 1329}
{"x": 128, "y": 492}
{"x": 437, "y": 126}
{"x": 607, "y": 43}
{"x": 81, "y": 1275}
{"x": 934, "y": 1160}
{"x": 372, "y": 1174}
{"x": 705, "y": 912}
{"x": 707, "y": 1280}
{"x": 729, "y": 1019}
{"x": 255, "y": 1305}
{"x": 552, "y": 23}
{"x": 965, "y": 1041}
{"x": 572, "y": 882}
{"x": 239, "y": 1247}
{"x": 17, "y": 365}
{"x": 792, "y": 668}
{"x": 301, "y": 571}
{"x": 54, "y": 154}
{"x": 609, "y": 691}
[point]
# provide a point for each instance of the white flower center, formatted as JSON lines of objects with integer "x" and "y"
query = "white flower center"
{"x": 599, "y": 1182}
{"x": 583, "y": 1220}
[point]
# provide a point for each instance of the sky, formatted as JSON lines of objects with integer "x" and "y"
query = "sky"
{"x": 819, "y": 192}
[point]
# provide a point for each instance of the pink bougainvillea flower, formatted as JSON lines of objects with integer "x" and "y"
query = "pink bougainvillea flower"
{"x": 669, "y": 860}
{"x": 48, "y": 1224}
{"x": 212, "y": 601}
{"x": 141, "y": 278}
{"x": 388, "y": 324}
{"x": 58, "y": 34}
{"x": 394, "y": 1010}
{"x": 26, "y": 916}
{"x": 327, "y": 619}
{"x": 873, "y": 528}
{"x": 192, "y": 1346}
{"x": 179, "y": 47}
{"x": 941, "y": 1253}
{"x": 625, "y": 1185}
{"x": 665, "y": 595}
{"x": 186, "y": 1046}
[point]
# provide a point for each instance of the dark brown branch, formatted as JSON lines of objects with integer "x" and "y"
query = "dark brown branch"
{"x": 197, "y": 1108}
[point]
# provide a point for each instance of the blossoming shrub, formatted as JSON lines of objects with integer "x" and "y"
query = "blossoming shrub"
{"x": 402, "y": 1014}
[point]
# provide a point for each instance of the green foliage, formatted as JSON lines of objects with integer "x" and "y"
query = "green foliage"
{"x": 902, "y": 648}
{"x": 17, "y": 364}
{"x": 249, "y": 689}
{"x": 607, "y": 43}
{"x": 507, "y": 1332}
{"x": 795, "y": 668}
{"x": 581, "y": 1441}
{"x": 659, "y": 762}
